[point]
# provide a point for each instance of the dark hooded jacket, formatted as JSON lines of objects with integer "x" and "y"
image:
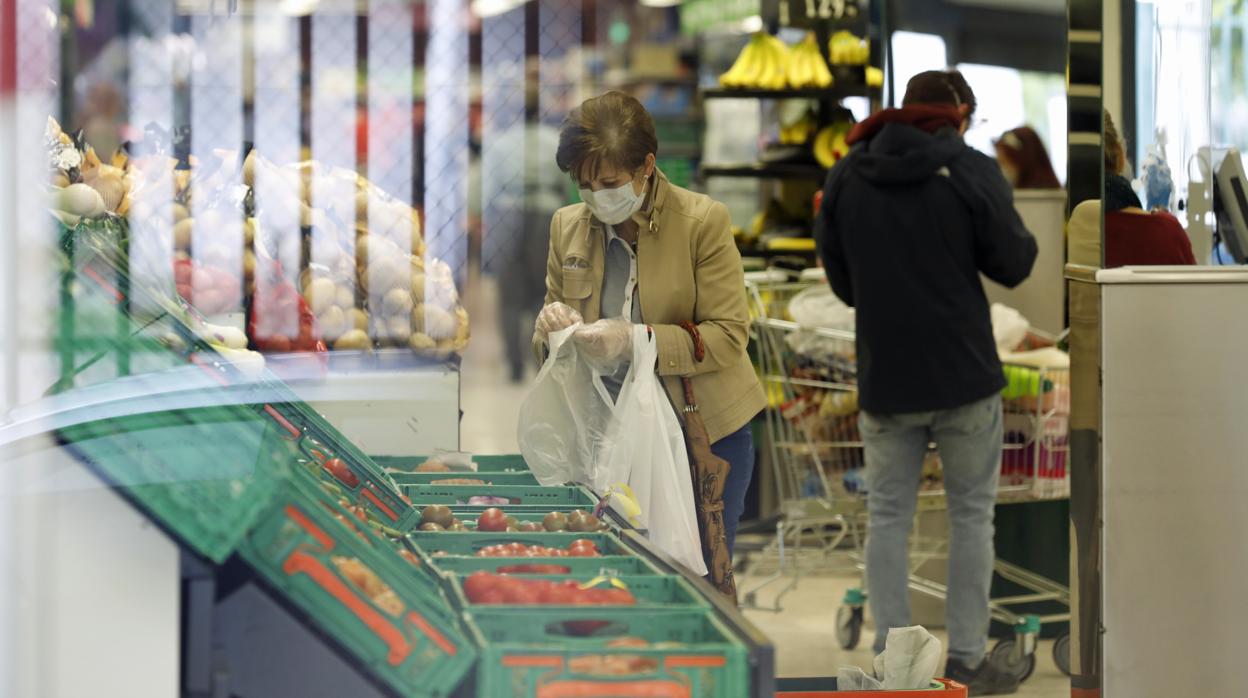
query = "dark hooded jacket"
{"x": 909, "y": 220}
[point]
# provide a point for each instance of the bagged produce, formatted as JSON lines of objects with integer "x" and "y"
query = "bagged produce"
{"x": 572, "y": 431}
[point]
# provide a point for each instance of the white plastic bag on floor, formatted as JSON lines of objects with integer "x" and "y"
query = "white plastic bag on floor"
{"x": 571, "y": 431}
{"x": 909, "y": 662}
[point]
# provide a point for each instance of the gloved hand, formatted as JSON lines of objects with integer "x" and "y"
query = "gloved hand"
{"x": 554, "y": 317}
{"x": 605, "y": 343}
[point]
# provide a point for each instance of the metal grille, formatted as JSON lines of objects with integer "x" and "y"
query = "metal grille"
{"x": 333, "y": 135}
{"x": 446, "y": 136}
{"x": 559, "y": 46}
{"x": 503, "y": 148}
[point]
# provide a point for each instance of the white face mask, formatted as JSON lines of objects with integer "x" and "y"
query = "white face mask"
{"x": 614, "y": 206}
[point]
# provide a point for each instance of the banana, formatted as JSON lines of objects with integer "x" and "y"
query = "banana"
{"x": 771, "y": 67}
{"x": 736, "y": 75}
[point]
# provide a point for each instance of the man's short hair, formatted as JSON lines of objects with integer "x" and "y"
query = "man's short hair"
{"x": 940, "y": 87}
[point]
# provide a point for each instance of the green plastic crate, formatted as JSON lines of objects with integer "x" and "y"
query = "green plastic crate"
{"x": 206, "y": 474}
{"x": 526, "y": 652}
{"x": 468, "y": 515}
{"x": 492, "y": 478}
{"x": 420, "y": 652}
{"x": 469, "y": 542}
{"x": 614, "y": 565}
{"x": 650, "y": 590}
{"x": 490, "y": 464}
{"x": 318, "y": 442}
{"x": 524, "y": 495}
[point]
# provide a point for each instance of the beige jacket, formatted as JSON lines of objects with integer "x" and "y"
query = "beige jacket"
{"x": 688, "y": 268}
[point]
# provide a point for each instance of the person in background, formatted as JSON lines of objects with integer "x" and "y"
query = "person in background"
{"x": 641, "y": 250}
{"x": 910, "y": 218}
{"x": 1025, "y": 162}
{"x": 1133, "y": 236}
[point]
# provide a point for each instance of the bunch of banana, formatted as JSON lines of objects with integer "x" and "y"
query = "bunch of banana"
{"x": 875, "y": 77}
{"x": 761, "y": 64}
{"x": 830, "y": 145}
{"x": 806, "y": 67}
{"x": 844, "y": 48}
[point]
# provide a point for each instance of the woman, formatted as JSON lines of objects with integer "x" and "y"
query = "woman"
{"x": 642, "y": 250}
{"x": 1133, "y": 236}
{"x": 1025, "y": 162}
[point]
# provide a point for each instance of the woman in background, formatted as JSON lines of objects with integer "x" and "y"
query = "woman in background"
{"x": 1025, "y": 162}
{"x": 1133, "y": 236}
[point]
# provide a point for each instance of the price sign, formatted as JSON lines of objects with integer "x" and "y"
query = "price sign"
{"x": 811, "y": 13}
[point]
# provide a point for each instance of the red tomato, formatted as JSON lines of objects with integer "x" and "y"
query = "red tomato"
{"x": 533, "y": 569}
{"x": 492, "y": 519}
{"x": 584, "y": 542}
{"x": 410, "y": 557}
{"x": 477, "y": 584}
{"x": 576, "y": 550}
{"x": 342, "y": 472}
{"x": 622, "y": 597}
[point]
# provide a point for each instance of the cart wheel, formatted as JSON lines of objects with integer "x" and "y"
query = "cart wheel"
{"x": 1003, "y": 657}
{"x": 1061, "y": 653}
{"x": 848, "y": 626}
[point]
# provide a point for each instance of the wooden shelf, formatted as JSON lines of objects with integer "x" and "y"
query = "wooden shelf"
{"x": 836, "y": 92}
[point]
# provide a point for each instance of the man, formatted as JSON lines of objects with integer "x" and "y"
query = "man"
{"x": 909, "y": 220}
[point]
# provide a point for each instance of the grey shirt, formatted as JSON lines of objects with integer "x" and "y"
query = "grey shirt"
{"x": 619, "y": 294}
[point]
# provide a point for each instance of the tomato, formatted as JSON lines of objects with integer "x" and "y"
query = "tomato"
{"x": 582, "y": 551}
{"x": 410, "y": 557}
{"x": 621, "y": 597}
{"x": 477, "y": 584}
{"x": 342, "y": 472}
{"x": 492, "y": 519}
{"x": 533, "y": 569}
{"x": 628, "y": 641}
{"x": 585, "y": 542}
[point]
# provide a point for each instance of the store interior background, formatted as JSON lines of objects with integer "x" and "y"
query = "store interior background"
{"x": 480, "y": 73}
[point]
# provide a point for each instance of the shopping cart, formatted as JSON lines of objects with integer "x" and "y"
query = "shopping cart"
{"x": 816, "y": 454}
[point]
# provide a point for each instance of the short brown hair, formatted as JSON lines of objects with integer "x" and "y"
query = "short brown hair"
{"x": 612, "y": 128}
{"x": 1115, "y": 150}
{"x": 940, "y": 87}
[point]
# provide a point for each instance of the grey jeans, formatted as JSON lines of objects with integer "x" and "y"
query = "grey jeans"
{"x": 968, "y": 439}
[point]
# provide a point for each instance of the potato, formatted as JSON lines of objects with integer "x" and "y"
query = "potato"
{"x": 333, "y": 323}
{"x": 249, "y": 232}
{"x": 354, "y": 339}
{"x": 421, "y": 342}
{"x": 399, "y": 329}
{"x": 321, "y": 294}
{"x": 182, "y": 231}
{"x": 345, "y": 297}
{"x": 433, "y": 466}
{"x": 249, "y": 169}
{"x": 359, "y": 318}
{"x": 438, "y": 323}
{"x": 386, "y": 273}
{"x": 398, "y": 302}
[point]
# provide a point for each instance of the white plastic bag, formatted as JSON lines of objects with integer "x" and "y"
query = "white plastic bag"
{"x": 564, "y": 419}
{"x": 571, "y": 431}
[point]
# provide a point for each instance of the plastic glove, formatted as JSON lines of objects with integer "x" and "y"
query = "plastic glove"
{"x": 606, "y": 343}
{"x": 554, "y": 317}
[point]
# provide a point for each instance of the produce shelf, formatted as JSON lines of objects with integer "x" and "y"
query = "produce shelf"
{"x": 467, "y": 543}
{"x": 492, "y": 464}
{"x": 613, "y": 565}
{"x": 452, "y": 495}
{"x": 767, "y": 171}
{"x": 651, "y": 591}
{"x": 489, "y": 478}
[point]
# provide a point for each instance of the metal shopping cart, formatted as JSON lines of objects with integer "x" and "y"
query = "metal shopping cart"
{"x": 816, "y": 454}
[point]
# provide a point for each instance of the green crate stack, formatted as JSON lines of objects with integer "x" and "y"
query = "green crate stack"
{"x": 560, "y": 650}
{"x": 418, "y": 650}
{"x": 206, "y": 474}
{"x": 518, "y": 495}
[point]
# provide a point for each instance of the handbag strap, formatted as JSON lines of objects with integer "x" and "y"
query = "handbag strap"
{"x": 699, "y": 353}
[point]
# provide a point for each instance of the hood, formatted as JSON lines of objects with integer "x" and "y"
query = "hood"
{"x": 898, "y": 146}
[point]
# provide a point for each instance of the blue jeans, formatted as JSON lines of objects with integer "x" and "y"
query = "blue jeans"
{"x": 738, "y": 449}
{"x": 968, "y": 439}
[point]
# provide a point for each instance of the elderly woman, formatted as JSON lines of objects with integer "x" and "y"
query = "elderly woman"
{"x": 640, "y": 250}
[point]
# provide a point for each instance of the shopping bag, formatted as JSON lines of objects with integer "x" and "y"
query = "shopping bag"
{"x": 571, "y": 430}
